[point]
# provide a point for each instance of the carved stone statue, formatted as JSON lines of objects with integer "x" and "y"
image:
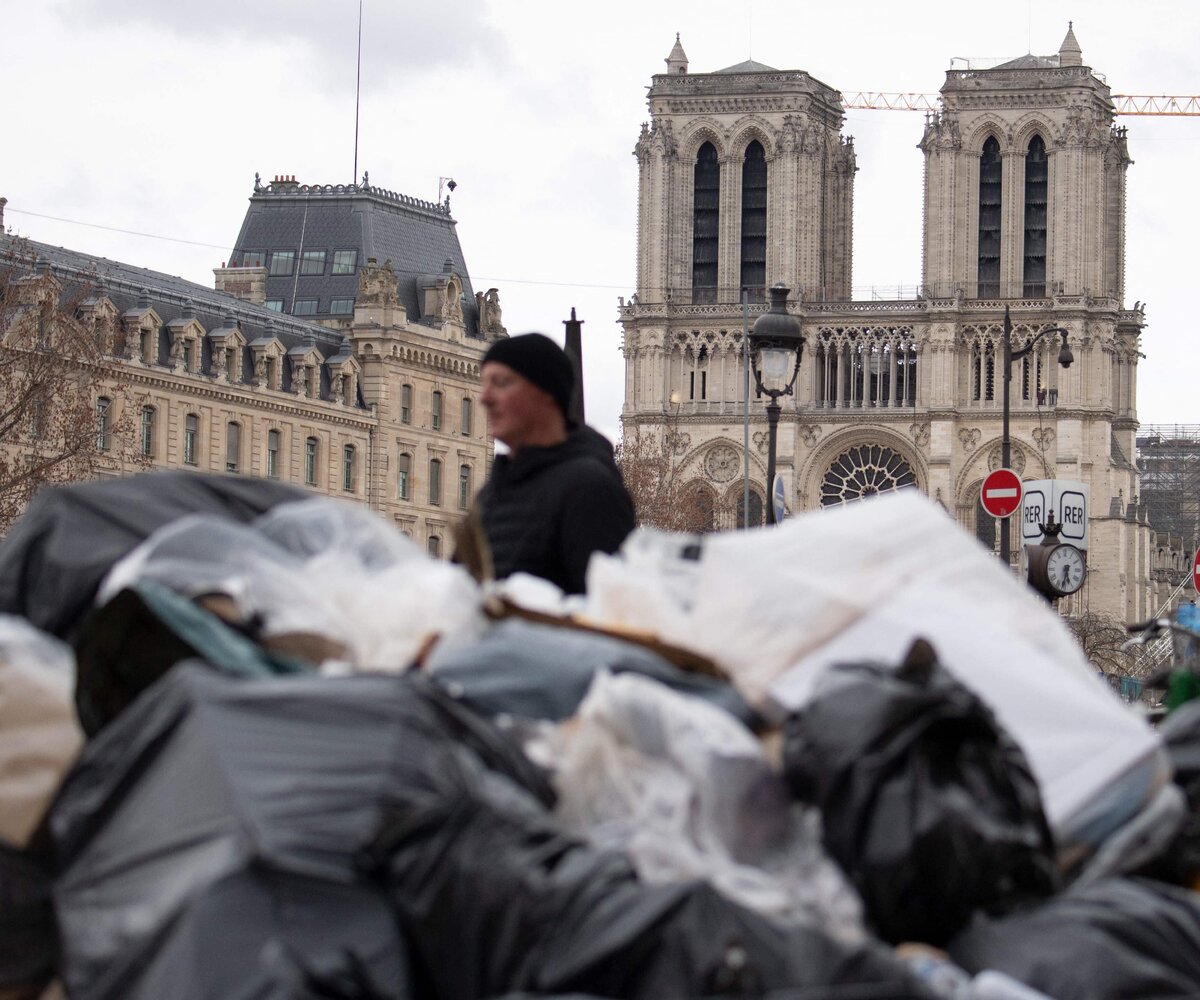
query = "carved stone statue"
{"x": 489, "y": 313}
{"x": 260, "y": 369}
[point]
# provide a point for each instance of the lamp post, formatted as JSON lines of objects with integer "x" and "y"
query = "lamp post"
{"x": 775, "y": 339}
{"x": 1065, "y": 357}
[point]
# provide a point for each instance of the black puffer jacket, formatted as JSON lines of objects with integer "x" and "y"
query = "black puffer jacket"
{"x": 546, "y": 510}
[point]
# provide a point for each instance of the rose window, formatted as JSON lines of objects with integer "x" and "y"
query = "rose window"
{"x": 863, "y": 471}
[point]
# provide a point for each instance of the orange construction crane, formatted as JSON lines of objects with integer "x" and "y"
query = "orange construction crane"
{"x": 1126, "y": 104}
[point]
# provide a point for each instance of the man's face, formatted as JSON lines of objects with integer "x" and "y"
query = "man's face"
{"x": 518, "y": 412}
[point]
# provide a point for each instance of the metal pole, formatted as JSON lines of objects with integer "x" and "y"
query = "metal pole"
{"x": 772, "y": 423}
{"x": 745, "y": 410}
{"x": 1005, "y": 443}
{"x": 573, "y": 346}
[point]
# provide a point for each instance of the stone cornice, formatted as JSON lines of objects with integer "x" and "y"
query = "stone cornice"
{"x": 260, "y": 399}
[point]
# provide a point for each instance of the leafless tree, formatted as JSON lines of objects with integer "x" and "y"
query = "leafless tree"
{"x": 65, "y": 412}
{"x": 1101, "y": 637}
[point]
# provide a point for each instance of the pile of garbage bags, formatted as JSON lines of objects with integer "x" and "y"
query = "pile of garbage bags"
{"x": 255, "y": 744}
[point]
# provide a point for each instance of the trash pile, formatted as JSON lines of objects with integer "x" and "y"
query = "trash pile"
{"x": 255, "y": 744}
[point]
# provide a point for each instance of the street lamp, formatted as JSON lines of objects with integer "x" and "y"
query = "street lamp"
{"x": 1065, "y": 357}
{"x": 776, "y": 345}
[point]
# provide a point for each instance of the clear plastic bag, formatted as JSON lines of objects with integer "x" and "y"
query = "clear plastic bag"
{"x": 39, "y": 733}
{"x": 686, "y": 791}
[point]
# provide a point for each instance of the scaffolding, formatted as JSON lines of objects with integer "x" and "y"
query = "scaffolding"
{"x": 1168, "y": 457}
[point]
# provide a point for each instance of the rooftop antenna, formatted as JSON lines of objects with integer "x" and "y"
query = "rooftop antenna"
{"x": 357, "y": 91}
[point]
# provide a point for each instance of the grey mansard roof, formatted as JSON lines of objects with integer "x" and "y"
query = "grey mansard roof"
{"x": 418, "y": 237}
{"x": 172, "y": 298}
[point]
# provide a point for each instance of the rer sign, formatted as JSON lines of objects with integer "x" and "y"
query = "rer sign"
{"x": 1069, "y": 501}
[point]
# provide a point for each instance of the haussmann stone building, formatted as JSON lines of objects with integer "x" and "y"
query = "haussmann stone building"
{"x": 339, "y": 351}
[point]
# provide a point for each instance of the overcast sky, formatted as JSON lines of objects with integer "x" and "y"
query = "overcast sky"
{"x": 153, "y": 117}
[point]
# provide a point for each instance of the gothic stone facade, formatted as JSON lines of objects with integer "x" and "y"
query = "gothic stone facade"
{"x": 746, "y": 180}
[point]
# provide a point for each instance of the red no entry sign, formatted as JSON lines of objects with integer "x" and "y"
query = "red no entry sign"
{"x": 1196, "y": 571}
{"x": 1001, "y": 493}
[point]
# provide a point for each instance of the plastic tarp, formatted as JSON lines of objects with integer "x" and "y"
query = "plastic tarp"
{"x": 538, "y": 671}
{"x": 55, "y": 556}
{"x": 926, "y": 803}
{"x": 205, "y": 781}
{"x": 143, "y": 631}
{"x": 862, "y": 581}
{"x": 687, "y": 793}
{"x": 495, "y": 898}
{"x": 39, "y": 734}
{"x": 1119, "y": 939}
{"x": 363, "y": 594}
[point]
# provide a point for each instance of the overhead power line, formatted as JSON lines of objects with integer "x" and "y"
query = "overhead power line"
{"x": 475, "y": 278}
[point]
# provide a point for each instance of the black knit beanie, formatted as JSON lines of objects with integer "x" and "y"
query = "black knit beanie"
{"x": 539, "y": 359}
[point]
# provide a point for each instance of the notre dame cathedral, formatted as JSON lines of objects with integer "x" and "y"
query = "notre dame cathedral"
{"x": 746, "y": 178}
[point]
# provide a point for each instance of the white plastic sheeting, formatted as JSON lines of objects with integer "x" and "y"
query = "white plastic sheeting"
{"x": 315, "y": 566}
{"x": 774, "y": 607}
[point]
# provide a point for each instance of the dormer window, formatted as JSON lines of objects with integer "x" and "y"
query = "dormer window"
{"x": 283, "y": 263}
{"x": 312, "y": 262}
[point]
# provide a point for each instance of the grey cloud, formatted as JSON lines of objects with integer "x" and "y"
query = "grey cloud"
{"x": 398, "y": 38}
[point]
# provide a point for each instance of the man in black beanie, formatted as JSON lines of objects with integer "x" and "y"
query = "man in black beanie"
{"x": 557, "y": 496}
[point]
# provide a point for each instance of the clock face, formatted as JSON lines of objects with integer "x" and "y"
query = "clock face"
{"x": 1065, "y": 569}
{"x": 721, "y": 463}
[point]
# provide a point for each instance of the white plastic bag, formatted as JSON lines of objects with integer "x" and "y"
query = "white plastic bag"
{"x": 39, "y": 732}
{"x": 315, "y": 566}
{"x": 686, "y": 791}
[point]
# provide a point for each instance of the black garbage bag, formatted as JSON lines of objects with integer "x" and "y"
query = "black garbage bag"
{"x": 213, "y": 803}
{"x": 1179, "y": 861}
{"x": 494, "y": 899}
{"x": 129, "y": 643}
{"x": 537, "y": 671}
{"x": 28, "y": 938}
{"x": 1116, "y": 939}
{"x": 56, "y": 555}
{"x": 927, "y": 804}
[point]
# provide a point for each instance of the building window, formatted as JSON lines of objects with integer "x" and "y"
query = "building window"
{"x": 305, "y": 307}
{"x": 1036, "y": 177}
{"x": 754, "y": 222}
{"x": 191, "y": 431}
{"x": 406, "y": 404}
{"x": 273, "y": 454}
{"x": 341, "y": 307}
{"x": 989, "y": 219}
{"x": 435, "y": 481}
{"x": 348, "y": 468}
{"x": 310, "y": 462}
{"x": 864, "y": 471}
{"x": 464, "y": 487}
{"x": 103, "y": 417}
{"x": 147, "y": 431}
{"x": 312, "y": 262}
{"x": 252, "y": 258}
{"x": 283, "y": 263}
{"x": 233, "y": 446}
{"x": 404, "y": 476}
{"x": 345, "y": 261}
{"x": 435, "y": 546}
{"x": 275, "y": 305}
{"x": 756, "y": 510}
{"x": 435, "y": 411}
{"x": 188, "y": 366}
{"x": 466, "y": 416}
{"x": 705, "y": 221}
